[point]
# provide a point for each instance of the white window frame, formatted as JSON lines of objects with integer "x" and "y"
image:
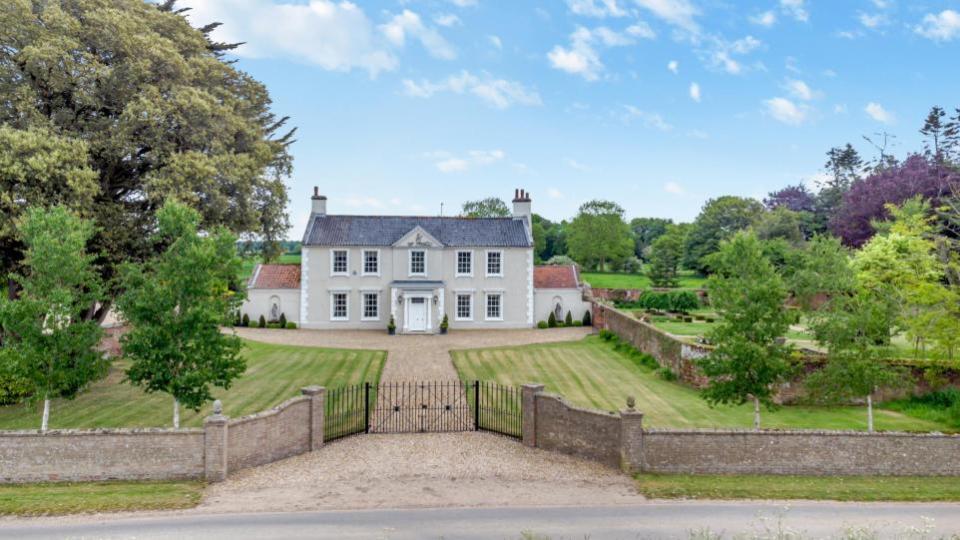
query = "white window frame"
{"x": 456, "y": 263}
{"x": 486, "y": 263}
{"x": 410, "y": 271}
{"x": 363, "y": 305}
{"x": 456, "y": 306}
{"x": 486, "y": 305}
{"x": 333, "y": 256}
{"x": 346, "y": 296}
{"x": 363, "y": 259}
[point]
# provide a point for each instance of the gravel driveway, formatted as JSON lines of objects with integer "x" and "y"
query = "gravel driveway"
{"x": 416, "y": 357}
{"x": 420, "y": 471}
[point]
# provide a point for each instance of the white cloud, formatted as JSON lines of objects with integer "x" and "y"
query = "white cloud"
{"x": 641, "y": 30}
{"x": 554, "y": 193}
{"x": 721, "y": 53}
{"x": 575, "y": 165}
{"x": 474, "y": 158}
{"x": 698, "y": 134}
{"x": 498, "y": 93}
{"x": 786, "y": 111}
{"x": 674, "y": 188}
{"x": 767, "y": 19}
{"x": 447, "y": 19}
{"x": 463, "y": 3}
{"x": 840, "y": 108}
{"x": 581, "y": 57}
{"x": 877, "y": 112}
{"x": 409, "y": 23}
{"x": 334, "y": 36}
{"x": 800, "y": 90}
{"x": 673, "y": 66}
{"x": 874, "y": 20}
{"x": 881, "y": 4}
{"x": 649, "y": 119}
{"x": 796, "y": 9}
{"x": 679, "y": 13}
{"x": 944, "y": 26}
{"x": 596, "y": 8}
{"x": 695, "y": 92}
{"x": 495, "y": 41}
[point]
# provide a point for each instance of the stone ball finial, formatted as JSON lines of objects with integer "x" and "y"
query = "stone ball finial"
{"x": 631, "y": 402}
{"x": 217, "y": 407}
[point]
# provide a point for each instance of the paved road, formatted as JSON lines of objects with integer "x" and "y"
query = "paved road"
{"x": 652, "y": 520}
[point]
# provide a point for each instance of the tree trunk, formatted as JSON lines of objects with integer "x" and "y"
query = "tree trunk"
{"x": 45, "y": 423}
{"x": 176, "y": 414}
{"x": 869, "y": 413}
{"x": 756, "y": 414}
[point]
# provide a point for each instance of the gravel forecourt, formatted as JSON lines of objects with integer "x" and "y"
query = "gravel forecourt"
{"x": 468, "y": 469}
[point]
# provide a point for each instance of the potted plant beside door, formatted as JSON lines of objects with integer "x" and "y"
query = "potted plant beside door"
{"x": 444, "y": 324}
{"x": 392, "y": 326}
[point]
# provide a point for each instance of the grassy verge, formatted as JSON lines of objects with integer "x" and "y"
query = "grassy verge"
{"x": 836, "y": 488}
{"x": 95, "y": 497}
{"x": 594, "y": 373}
{"x": 274, "y": 373}
{"x": 611, "y": 280}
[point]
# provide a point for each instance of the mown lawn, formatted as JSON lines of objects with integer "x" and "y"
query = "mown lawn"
{"x": 834, "y": 488}
{"x": 96, "y": 497}
{"x": 612, "y": 280}
{"x": 274, "y": 373}
{"x": 591, "y": 373}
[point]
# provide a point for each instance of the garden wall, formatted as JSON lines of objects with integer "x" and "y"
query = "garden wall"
{"x": 621, "y": 440}
{"x": 222, "y": 446}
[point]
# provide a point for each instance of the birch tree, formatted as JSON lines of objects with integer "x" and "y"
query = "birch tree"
{"x": 44, "y": 336}
{"x": 749, "y": 359}
{"x": 175, "y": 305}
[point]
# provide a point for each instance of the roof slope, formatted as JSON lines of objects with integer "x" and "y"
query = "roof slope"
{"x": 384, "y": 231}
{"x": 275, "y": 276}
{"x": 556, "y": 277}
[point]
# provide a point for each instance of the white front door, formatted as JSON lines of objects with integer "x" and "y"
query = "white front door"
{"x": 417, "y": 313}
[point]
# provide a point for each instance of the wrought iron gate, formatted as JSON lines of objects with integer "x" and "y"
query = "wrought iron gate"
{"x": 423, "y": 407}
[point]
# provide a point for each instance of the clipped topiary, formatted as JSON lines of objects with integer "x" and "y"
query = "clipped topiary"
{"x": 587, "y": 318}
{"x": 262, "y": 323}
{"x": 283, "y": 320}
{"x": 552, "y": 320}
{"x": 568, "y": 320}
{"x": 246, "y": 320}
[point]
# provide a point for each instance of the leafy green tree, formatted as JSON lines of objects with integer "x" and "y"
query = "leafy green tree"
{"x": 599, "y": 235}
{"x": 539, "y": 240}
{"x": 666, "y": 254}
{"x": 780, "y": 223}
{"x": 175, "y": 305}
{"x": 719, "y": 220}
{"x": 148, "y": 103}
{"x": 645, "y": 233}
{"x": 485, "y": 208}
{"x": 43, "y": 335}
{"x": 749, "y": 360}
{"x": 856, "y": 330}
{"x": 843, "y": 167}
{"x": 39, "y": 168}
{"x": 556, "y": 240}
{"x": 822, "y": 269}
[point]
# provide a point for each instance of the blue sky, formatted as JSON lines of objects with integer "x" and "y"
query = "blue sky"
{"x": 403, "y": 105}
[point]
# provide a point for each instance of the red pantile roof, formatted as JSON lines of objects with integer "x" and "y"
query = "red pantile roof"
{"x": 555, "y": 277}
{"x": 275, "y": 276}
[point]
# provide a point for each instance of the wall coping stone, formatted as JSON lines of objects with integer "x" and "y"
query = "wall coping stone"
{"x": 269, "y": 412}
{"x": 563, "y": 401}
{"x": 797, "y": 432}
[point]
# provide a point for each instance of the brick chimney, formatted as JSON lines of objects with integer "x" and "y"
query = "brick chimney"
{"x": 522, "y": 206}
{"x": 319, "y": 202}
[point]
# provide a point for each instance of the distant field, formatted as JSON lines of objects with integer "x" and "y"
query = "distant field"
{"x": 250, "y": 262}
{"x": 610, "y": 280}
{"x": 591, "y": 373}
{"x": 274, "y": 373}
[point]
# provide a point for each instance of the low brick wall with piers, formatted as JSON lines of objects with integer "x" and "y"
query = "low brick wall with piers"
{"x": 221, "y": 447}
{"x": 621, "y": 440}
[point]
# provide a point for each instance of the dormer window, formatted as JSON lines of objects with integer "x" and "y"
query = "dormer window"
{"x": 418, "y": 262}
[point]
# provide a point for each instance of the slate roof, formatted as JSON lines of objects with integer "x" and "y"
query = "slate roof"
{"x": 325, "y": 230}
{"x": 556, "y": 277}
{"x": 275, "y": 276}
